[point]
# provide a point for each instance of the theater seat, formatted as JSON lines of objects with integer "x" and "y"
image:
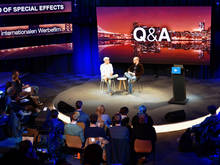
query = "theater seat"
{"x": 142, "y": 146}
{"x": 73, "y": 141}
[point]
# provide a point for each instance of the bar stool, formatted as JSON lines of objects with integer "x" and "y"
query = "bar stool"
{"x": 138, "y": 85}
{"x": 103, "y": 85}
{"x": 122, "y": 80}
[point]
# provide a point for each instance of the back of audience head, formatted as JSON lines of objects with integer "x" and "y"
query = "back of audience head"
{"x": 10, "y": 91}
{"x": 54, "y": 114}
{"x": 142, "y": 119}
{"x": 26, "y": 149}
{"x": 124, "y": 111}
{"x": 142, "y": 109}
{"x": 8, "y": 84}
{"x": 116, "y": 118}
{"x": 100, "y": 109}
{"x": 79, "y": 104}
{"x": 212, "y": 109}
{"x": 93, "y": 155}
{"x": 93, "y": 118}
{"x": 74, "y": 116}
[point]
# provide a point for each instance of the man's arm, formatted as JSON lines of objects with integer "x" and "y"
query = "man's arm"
{"x": 102, "y": 70}
{"x": 111, "y": 70}
{"x": 82, "y": 136}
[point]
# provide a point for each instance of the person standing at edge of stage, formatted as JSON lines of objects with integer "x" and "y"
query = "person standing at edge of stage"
{"x": 106, "y": 70}
{"x": 135, "y": 71}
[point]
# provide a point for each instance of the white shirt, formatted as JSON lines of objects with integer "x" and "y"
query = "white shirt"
{"x": 106, "y": 70}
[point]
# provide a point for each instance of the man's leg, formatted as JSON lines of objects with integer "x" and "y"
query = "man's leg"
{"x": 127, "y": 75}
{"x": 131, "y": 79}
{"x": 109, "y": 85}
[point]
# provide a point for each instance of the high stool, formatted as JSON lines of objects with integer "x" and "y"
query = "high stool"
{"x": 103, "y": 84}
{"x": 138, "y": 85}
{"x": 122, "y": 80}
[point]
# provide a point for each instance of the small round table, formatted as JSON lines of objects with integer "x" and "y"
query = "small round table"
{"x": 122, "y": 80}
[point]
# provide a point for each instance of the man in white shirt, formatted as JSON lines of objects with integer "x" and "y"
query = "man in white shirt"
{"x": 107, "y": 73}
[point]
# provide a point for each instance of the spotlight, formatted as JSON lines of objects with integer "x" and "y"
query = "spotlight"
{"x": 217, "y": 3}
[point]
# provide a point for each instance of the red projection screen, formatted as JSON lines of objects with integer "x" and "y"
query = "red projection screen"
{"x": 159, "y": 35}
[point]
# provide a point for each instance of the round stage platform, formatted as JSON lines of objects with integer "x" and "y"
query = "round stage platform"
{"x": 155, "y": 95}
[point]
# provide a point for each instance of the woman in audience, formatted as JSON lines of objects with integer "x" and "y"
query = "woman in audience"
{"x": 73, "y": 129}
{"x": 103, "y": 119}
{"x": 24, "y": 91}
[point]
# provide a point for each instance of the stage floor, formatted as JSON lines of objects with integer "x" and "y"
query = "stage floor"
{"x": 155, "y": 95}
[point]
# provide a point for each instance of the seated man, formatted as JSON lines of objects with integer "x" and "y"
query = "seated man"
{"x": 135, "y": 71}
{"x": 93, "y": 130}
{"x": 73, "y": 129}
{"x": 83, "y": 117}
{"x": 119, "y": 148}
{"x": 107, "y": 73}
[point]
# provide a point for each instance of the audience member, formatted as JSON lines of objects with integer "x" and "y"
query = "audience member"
{"x": 144, "y": 131}
{"x": 124, "y": 116}
{"x": 83, "y": 117}
{"x": 118, "y": 151}
{"x": 93, "y": 130}
{"x": 3, "y": 119}
{"x": 26, "y": 148}
{"x": 73, "y": 129}
{"x": 103, "y": 118}
{"x": 213, "y": 118}
{"x": 142, "y": 110}
{"x": 56, "y": 131}
{"x": 24, "y": 155}
{"x": 118, "y": 131}
{"x": 93, "y": 155}
{"x": 206, "y": 131}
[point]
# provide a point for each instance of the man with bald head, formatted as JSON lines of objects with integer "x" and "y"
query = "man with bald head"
{"x": 135, "y": 71}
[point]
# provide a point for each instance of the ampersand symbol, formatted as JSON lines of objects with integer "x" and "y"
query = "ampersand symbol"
{"x": 151, "y": 35}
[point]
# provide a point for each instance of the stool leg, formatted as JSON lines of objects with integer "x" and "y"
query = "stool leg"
{"x": 124, "y": 84}
{"x": 113, "y": 85}
{"x": 101, "y": 86}
{"x": 119, "y": 86}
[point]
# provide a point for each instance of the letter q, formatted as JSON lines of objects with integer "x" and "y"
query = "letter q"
{"x": 142, "y": 37}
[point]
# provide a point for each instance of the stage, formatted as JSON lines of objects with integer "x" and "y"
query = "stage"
{"x": 155, "y": 95}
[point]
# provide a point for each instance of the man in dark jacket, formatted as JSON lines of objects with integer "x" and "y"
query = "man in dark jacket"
{"x": 135, "y": 71}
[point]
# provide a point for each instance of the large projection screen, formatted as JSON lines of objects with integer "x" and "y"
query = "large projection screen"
{"x": 166, "y": 35}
